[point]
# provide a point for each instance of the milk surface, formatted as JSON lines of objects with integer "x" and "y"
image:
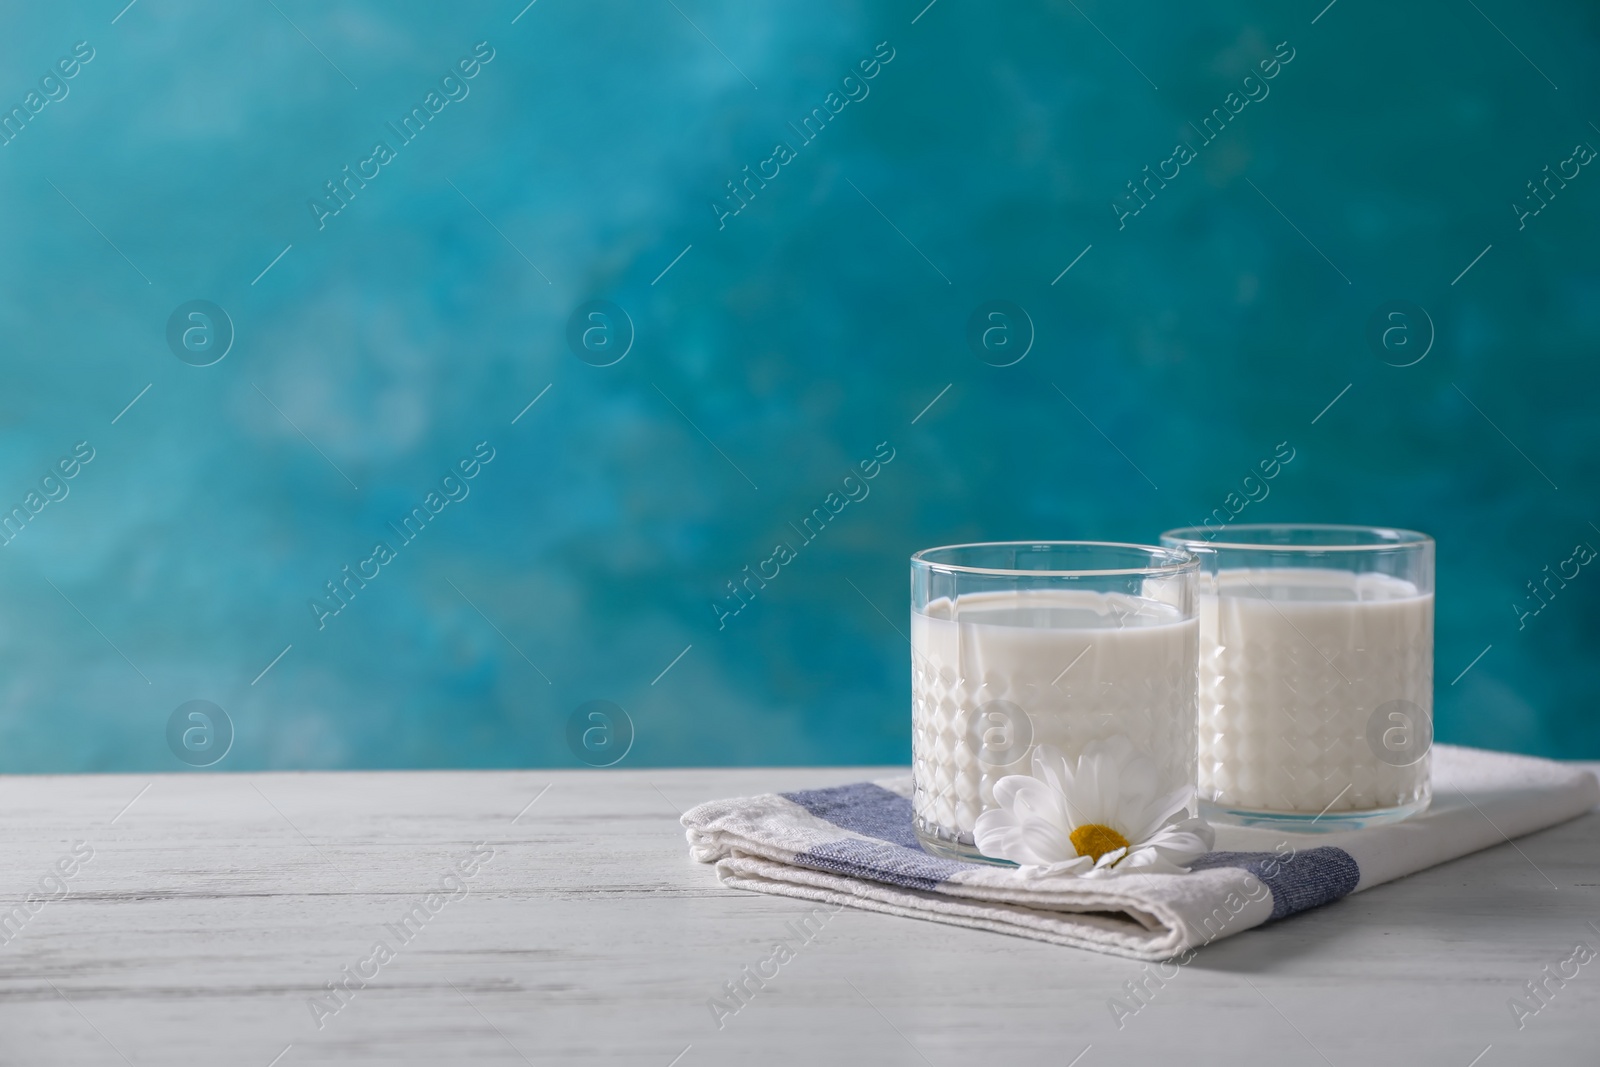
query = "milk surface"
{"x": 1082, "y": 665}
{"x": 1293, "y": 664}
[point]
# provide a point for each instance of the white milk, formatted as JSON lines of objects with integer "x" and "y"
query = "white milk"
{"x": 1083, "y": 665}
{"x": 1294, "y": 663}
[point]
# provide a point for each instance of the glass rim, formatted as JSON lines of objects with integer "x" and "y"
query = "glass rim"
{"x": 1165, "y": 560}
{"x": 1396, "y": 537}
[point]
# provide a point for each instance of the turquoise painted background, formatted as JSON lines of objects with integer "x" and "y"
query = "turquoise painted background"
{"x": 1199, "y": 212}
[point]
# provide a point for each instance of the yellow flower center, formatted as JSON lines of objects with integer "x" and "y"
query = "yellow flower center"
{"x": 1094, "y": 840}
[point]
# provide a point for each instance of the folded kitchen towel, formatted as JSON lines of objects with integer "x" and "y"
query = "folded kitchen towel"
{"x": 854, "y": 845}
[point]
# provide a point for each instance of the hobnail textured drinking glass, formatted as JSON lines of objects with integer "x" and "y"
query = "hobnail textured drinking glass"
{"x": 1316, "y": 673}
{"x": 1019, "y": 644}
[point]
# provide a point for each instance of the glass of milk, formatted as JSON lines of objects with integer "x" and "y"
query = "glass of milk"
{"x": 1316, "y": 673}
{"x": 1019, "y": 644}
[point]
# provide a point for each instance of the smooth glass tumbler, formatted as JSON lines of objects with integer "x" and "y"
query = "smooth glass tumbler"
{"x": 1015, "y": 645}
{"x": 1316, "y": 673}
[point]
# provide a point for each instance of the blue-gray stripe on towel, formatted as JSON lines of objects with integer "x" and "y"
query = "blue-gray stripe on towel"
{"x": 862, "y": 808}
{"x": 879, "y": 861}
{"x": 1304, "y": 879}
{"x": 892, "y": 856}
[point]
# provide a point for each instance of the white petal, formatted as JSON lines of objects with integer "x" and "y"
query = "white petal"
{"x": 1182, "y": 842}
{"x": 1022, "y": 837}
{"x": 1045, "y": 870}
{"x": 1157, "y": 813}
{"x": 1005, "y": 790}
{"x": 995, "y": 833}
{"x": 1046, "y": 841}
{"x": 1056, "y": 772}
{"x": 1183, "y": 824}
{"x": 1016, "y": 791}
{"x": 1090, "y": 799}
{"x": 1052, "y": 768}
{"x": 1108, "y": 859}
{"x": 1146, "y": 861}
{"x": 1122, "y": 780}
{"x": 1002, "y": 844}
{"x": 993, "y": 821}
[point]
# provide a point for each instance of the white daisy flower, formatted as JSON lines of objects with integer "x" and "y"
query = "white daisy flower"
{"x": 1102, "y": 816}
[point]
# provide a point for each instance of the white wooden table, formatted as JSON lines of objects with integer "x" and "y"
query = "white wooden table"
{"x": 215, "y": 907}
